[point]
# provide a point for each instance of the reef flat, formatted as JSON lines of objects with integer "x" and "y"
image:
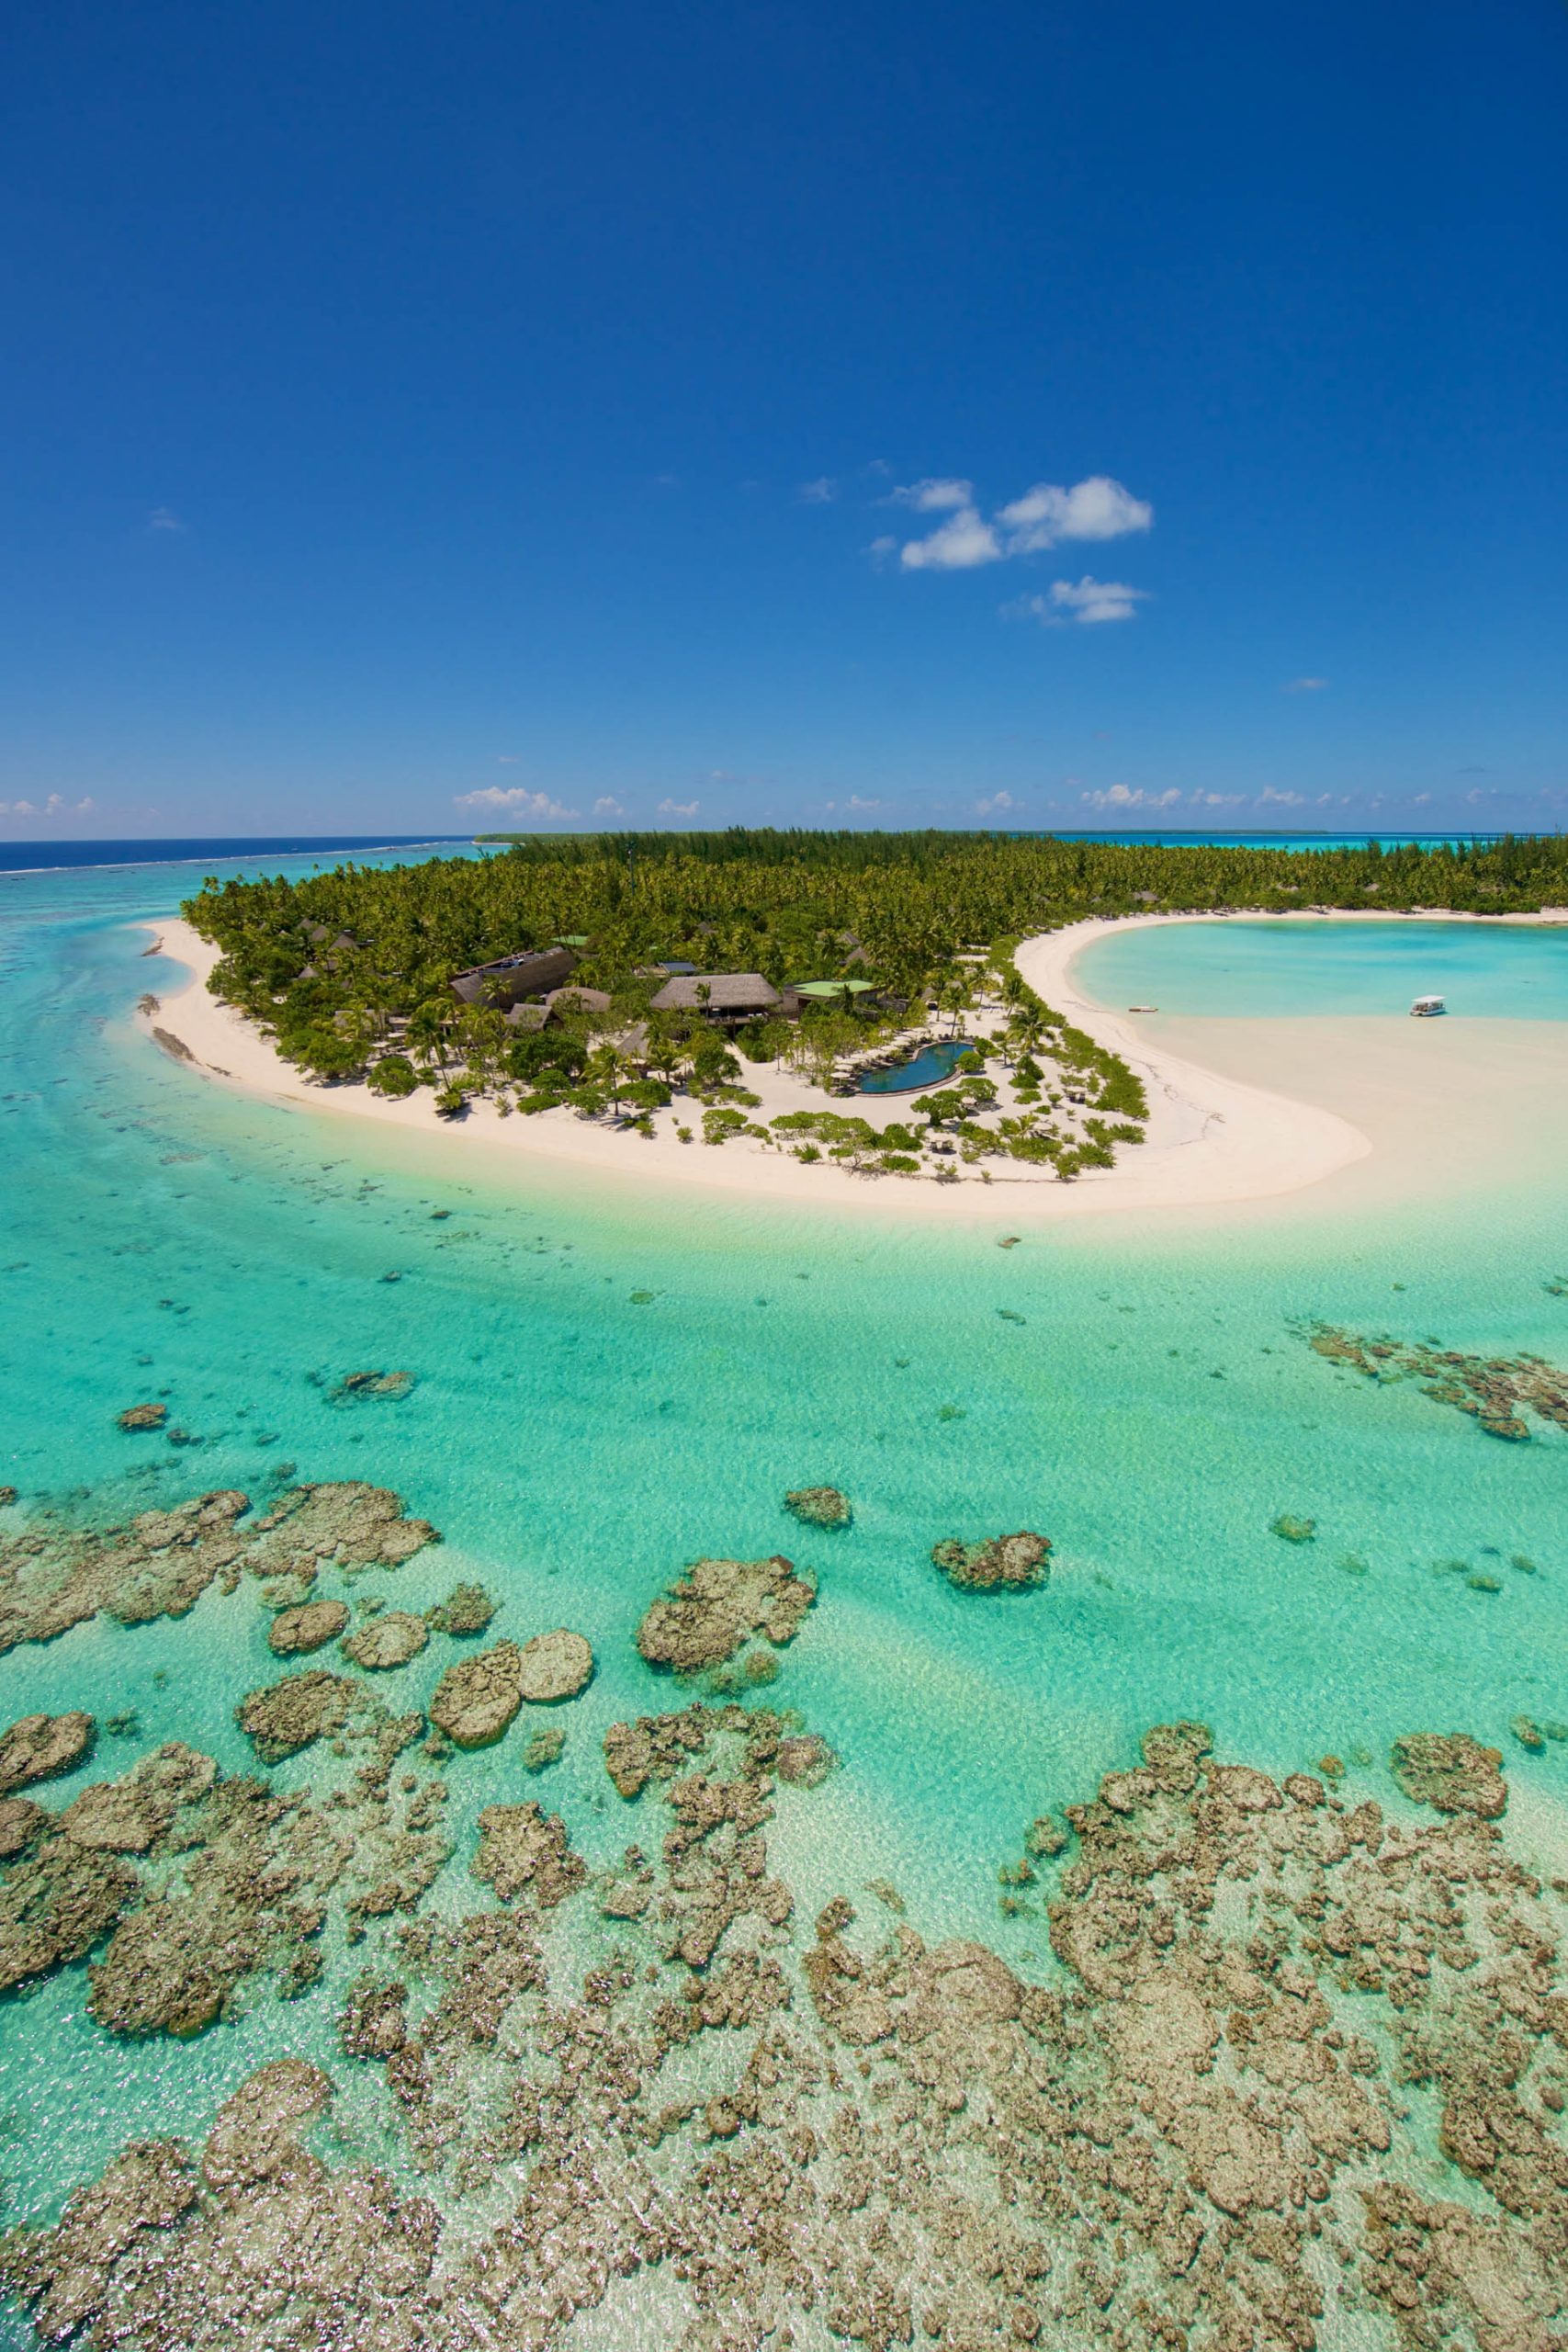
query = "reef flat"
{"x": 1495, "y": 1391}
{"x": 56, "y": 1573}
{"x": 1300, "y": 2061}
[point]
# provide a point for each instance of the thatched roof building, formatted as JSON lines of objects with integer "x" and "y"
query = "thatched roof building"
{"x": 576, "y": 1000}
{"x": 721, "y": 996}
{"x": 510, "y": 977}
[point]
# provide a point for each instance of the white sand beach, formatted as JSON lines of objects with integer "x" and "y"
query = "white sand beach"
{"x": 1216, "y": 1135}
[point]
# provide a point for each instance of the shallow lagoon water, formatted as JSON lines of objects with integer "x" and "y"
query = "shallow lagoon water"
{"x": 609, "y": 1386}
{"x": 1318, "y": 965}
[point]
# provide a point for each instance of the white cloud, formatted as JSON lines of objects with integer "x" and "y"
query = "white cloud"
{"x": 517, "y": 798}
{"x": 821, "y": 492}
{"x": 163, "y": 518}
{"x": 1127, "y": 796}
{"x": 1088, "y": 600}
{"x": 997, "y": 800}
{"x": 1422, "y": 798}
{"x": 964, "y": 540}
{"x": 18, "y": 808}
{"x": 1096, "y": 508}
{"x": 1097, "y": 600}
{"x": 678, "y": 808}
{"x": 1269, "y": 797}
{"x": 1218, "y": 800}
{"x": 933, "y": 497}
{"x": 606, "y": 806}
{"x": 1304, "y": 686}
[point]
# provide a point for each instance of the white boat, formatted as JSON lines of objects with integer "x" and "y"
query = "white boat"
{"x": 1142, "y": 1008}
{"x": 1424, "y": 1006}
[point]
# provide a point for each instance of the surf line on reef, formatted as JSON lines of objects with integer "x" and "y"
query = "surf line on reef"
{"x": 1210, "y": 1140}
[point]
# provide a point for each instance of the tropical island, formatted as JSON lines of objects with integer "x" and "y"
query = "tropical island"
{"x": 851, "y": 999}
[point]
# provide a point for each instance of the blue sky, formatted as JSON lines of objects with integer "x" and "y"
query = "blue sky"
{"x": 1071, "y": 412}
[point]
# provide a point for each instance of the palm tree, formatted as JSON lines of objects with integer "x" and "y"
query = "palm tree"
{"x": 607, "y": 1066}
{"x": 427, "y": 1032}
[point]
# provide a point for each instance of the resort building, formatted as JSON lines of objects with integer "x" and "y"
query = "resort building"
{"x": 576, "y": 1000}
{"x": 509, "y": 980}
{"x": 729, "y": 997}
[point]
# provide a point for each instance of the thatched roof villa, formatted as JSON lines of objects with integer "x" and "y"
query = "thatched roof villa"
{"x": 512, "y": 978}
{"x": 719, "y": 996}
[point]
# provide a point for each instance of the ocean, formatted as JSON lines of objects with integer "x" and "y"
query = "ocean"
{"x": 607, "y": 1386}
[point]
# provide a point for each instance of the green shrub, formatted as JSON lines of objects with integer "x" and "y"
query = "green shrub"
{"x": 395, "y": 1075}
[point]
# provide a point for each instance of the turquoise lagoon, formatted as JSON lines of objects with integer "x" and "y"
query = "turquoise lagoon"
{"x": 1231, "y": 967}
{"x": 610, "y": 1384}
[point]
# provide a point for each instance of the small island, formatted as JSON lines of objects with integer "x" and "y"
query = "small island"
{"x": 838, "y": 999}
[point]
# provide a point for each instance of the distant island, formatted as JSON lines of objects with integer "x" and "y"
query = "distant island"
{"x": 837, "y": 997}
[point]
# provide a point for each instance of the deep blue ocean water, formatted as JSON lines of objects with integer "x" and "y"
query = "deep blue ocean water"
{"x": 44, "y": 857}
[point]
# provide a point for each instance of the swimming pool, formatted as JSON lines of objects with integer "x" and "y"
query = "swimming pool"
{"x": 929, "y": 1066}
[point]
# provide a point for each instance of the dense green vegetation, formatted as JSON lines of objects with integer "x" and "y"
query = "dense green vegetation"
{"x": 352, "y": 968}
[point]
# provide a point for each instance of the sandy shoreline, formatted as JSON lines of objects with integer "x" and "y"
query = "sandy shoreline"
{"x": 1211, "y": 1138}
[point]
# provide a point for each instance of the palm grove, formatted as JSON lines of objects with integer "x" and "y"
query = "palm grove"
{"x": 350, "y": 969}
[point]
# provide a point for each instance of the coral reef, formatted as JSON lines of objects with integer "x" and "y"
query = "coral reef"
{"x": 1495, "y": 1391}
{"x": 286, "y": 1716}
{"x": 521, "y": 1847}
{"x": 387, "y": 1642}
{"x": 142, "y": 1417}
{"x": 477, "y": 1699}
{"x": 37, "y": 1747}
{"x": 309, "y": 1625}
{"x": 1451, "y": 1772}
{"x": 393, "y": 1385}
{"x": 199, "y": 1881}
{"x": 55, "y": 1574}
{"x": 706, "y": 1615}
{"x": 1003, "y": 1563}
{"x": 468, "y": 1609}
{"x": 819, "y": 1505}
{"x": 554, "y": 1666}
{"x": 1211, "y": 2130}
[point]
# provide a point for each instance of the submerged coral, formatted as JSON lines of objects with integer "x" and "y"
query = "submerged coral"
{"x": 1495, "y": 1391}
{"x": 142, "y": 1417}
{"x": 387, "y": 1642}
{"x": 1451, "y": 1771}
{"x": 554, "y": 1666}
{"x": 468, "y": 1609}
{"x": 819, "y": 1505}
{"x": 1001, "y": 1563}
{"x": 521, "y": 1847}
{"x": 37, "y": 1747}
{"x": 55, "y": 1574}
{"x": 309, "y": 1625}
{"x": 1202, "y": 2134}
{"x": 710, "y": 1611}
{"x": 200, "y": 1881}
{"x": 477, "y": 1699}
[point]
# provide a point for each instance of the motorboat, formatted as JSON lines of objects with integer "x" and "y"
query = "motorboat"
{"x": 1426, "y": 1006}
